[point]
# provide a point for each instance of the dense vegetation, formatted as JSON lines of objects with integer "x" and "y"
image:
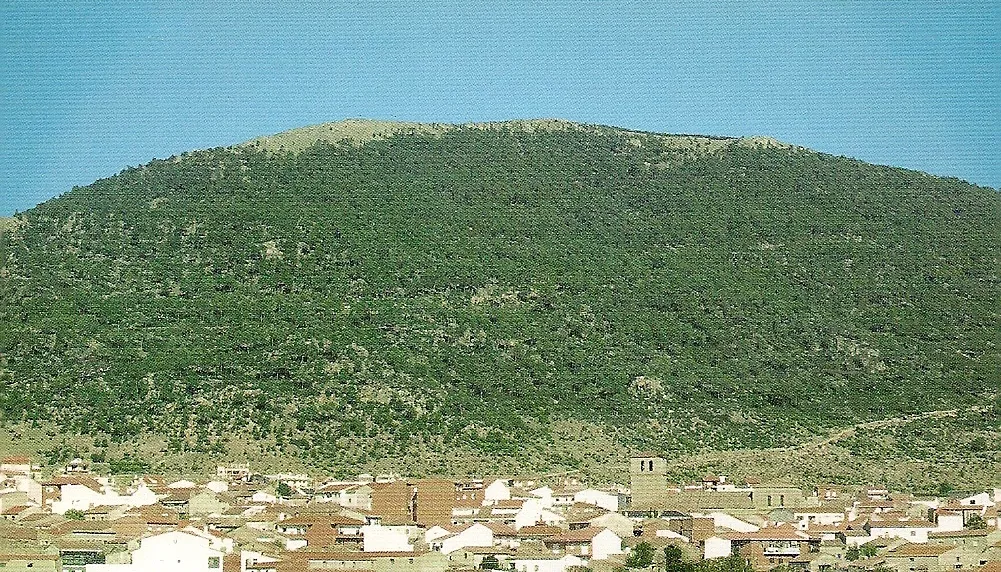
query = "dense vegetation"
{"x": 474, "y": 287}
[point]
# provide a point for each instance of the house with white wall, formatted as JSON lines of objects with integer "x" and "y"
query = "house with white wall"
{"x": 592, "y": 543}
{"x": 496, "y": 491}
{"x": 175, "y": 551}
{"x": 722, "y": 519}
{"x": 806, "y": 518}
{"x": 535, "y": 511}
{"x": 604, "y": 499}
{"x": 913, "y": 531}
{"x": 447, "y": 539}
{"x": 378, "y": 538}
{"x": 83, "y": 492}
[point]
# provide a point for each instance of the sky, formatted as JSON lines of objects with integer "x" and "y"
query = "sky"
{"x": 88, "y": 88}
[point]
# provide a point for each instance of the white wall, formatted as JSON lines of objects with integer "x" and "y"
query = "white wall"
{"x": 910, "y": 534}
{"x": 949, "y": 522}
{"x": 605, "y": 500}
{"x": 475, "y": 535}
{"x": 497, "y": 491}
{"x": 733, "y": 523}
{"x": 384, "y": 539}
{"x": 819, "y": 518}
{"x": 717, "y": 547}
{"x": 32, "y": 487}
{"x": 175, "y": 552}
{"x": 980, "y": 498}
{"x": 605, "y": 544}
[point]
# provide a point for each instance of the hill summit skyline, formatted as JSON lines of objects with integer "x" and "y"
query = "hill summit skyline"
{"x": 372, "y": 294}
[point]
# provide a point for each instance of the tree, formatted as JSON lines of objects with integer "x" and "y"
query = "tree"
{"x": 674, "y": 560}
{"x": 732, "y": 563}
{"x": 74, "y": 514}
{"x": 640, "y": 556}
{"x": 976, "y": 522}
{"x": 490, "y": 563}
{"x": 284, "y": 491}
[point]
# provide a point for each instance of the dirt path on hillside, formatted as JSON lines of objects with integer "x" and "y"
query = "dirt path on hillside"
{"x": 880, "y": 423}
{"x": 820, "y": 443}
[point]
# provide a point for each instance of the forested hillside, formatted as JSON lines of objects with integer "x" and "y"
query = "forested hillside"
{"x": 478, "y": 288}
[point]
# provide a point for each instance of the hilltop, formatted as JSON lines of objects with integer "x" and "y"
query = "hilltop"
{"x": 526, "y": 295}
{"x": 361, "y": 131}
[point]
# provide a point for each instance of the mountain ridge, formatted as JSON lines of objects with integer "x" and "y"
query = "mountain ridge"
{"x": 361, "y": 130}
{"x": 497, "y": 294}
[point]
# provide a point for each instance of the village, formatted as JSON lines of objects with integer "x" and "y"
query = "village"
{"x": 75, "y": 520}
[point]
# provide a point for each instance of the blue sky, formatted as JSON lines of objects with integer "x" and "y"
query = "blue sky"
{"x": 88, "y": 88}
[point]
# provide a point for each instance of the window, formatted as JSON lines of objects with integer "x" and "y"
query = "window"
{"x": 213, "y": 561}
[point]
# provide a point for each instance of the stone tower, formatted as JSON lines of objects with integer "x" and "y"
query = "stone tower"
{"x": 648, "y": 481}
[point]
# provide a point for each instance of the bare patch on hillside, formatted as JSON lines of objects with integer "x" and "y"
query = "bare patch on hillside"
{"x": 272, "y": 251}
{"x": 361, "y": 131}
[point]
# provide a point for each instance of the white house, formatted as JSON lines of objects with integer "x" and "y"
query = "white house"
{"x": 458, "y": 537}
{"x": 546, "y": 563}
{"x": 496, "y": 491}
{"x": 83, "y": 493}
{"x": 174, "y": 551}
{"x": 724, "y": 520}
{"x": 377, "y": 538}
{"x": 545, "y": 496}
{"x": 30, "y": 486}
{"x": 915, "y": 532}
{"x": 16, "y": 466}
{"x": 534, "y": 511}
{"x": 818, "y": 516}
{"x": 948, "y": 521}
{"x": 217, "y": 541}
{"x": 717, "y": 547}
{"x": 264, "y": 497}
{"x": 983, "y": 499}
{"x": 604, "y": 499}
{"x": 592, "y": 542}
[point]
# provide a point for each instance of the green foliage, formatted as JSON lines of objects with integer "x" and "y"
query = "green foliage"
{"x": 864, "y": 551}
{"x": 674, "y": 561}
{"x": 472, "y": 288}
{"x": 640, "y": 556}
{"x": 73, "y": 514}
{"x": 976, "y": 522}
{"x": 284, "y": 491}
{"x": 732, "y": 563}
{"x": 128, "y": 466}
{"x": 490, "y": 562}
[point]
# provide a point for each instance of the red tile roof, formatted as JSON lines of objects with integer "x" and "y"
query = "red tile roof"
{"x": 575, "y": 536}
{"x": 918, "y": 550}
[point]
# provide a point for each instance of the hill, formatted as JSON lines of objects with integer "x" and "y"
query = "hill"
{"x": 512, "y": 296}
